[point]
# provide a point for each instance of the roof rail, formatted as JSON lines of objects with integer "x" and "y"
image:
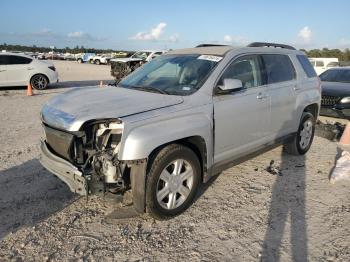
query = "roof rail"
{"x": 264, "y": 44}
{"x": 208, "y": 45}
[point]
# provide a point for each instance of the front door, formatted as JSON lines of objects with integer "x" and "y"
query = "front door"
{"x": 242, "y": 116}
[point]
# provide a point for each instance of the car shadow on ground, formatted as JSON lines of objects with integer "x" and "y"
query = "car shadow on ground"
{"x": 287, "y": 201}
{"x": 29, "y": 194}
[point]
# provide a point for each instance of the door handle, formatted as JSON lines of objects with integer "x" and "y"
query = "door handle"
{"x": 2, "y": 70}
{"x": 296, "y": 87}
{"x": 30, "y": 68}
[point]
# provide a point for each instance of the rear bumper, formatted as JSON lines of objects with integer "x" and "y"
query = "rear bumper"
{"x": 63, "y": 170}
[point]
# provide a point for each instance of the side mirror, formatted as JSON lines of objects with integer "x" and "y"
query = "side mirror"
{"x": 230, "y": 85}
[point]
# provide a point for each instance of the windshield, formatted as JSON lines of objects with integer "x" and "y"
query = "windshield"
{"x": 340, "y": 75}
{"x": 172, "y": 74}
{"x": 141, "y": 55}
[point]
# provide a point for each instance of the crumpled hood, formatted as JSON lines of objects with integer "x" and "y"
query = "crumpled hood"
{"x": 70, "y": 110}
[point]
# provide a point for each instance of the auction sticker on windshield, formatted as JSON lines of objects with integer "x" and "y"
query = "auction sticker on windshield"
{"x": 210, "y": 58}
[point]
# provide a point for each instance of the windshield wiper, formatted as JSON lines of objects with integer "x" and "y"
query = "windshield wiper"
{"x": 150, "y": 88}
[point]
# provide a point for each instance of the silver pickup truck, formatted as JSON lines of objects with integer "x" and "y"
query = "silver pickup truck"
{"x": 179, "y": 120}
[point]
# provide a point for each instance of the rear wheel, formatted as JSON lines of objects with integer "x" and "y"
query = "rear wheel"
{"x": 97, "y": 62}
{"x": 80, "y": 60}
{"x": 302, "y": 140}
{"x": 39, "y": 82}
{"x": 172, "y": 181}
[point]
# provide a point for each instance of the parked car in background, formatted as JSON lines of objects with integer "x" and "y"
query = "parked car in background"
{"x": 121, "y": 67}
{"x": 322, "y": 64}
{"x": 21, "y": 70}
{"x": 179, "y": 120}
{"x": 85, "y": 57}
{"x": 336, "y": 92}
{"x": 101, "y": 59}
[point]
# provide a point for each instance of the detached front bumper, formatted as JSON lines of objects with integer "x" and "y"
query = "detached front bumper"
{"x": 63, "y": 170}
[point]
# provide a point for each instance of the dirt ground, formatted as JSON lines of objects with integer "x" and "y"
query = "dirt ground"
{"x": 245, "y": 214}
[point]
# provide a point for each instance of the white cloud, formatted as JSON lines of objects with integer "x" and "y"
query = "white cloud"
{"x": 155, "y": 34}
{"x": 236, "y": 40}
{"x": 305, "y": 34}
{"x": 83, "y": 36}
{"x": 77, "y": 34}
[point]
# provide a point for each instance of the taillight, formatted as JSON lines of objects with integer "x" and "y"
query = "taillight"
{"x": 52, "y": 68}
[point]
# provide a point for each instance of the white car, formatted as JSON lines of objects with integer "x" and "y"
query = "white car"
{"x": 21, "y": 70}
{"x": 101, "y": 59}
{"x": 322, "y": 64}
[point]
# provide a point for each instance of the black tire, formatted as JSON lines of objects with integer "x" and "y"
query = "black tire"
{"x": 80, "y": 60}
{"x": 161, "y": 161}
{"x": 39, "y": 81}
{"x": 97, "y": 62}
{"x": 294, "y": 147}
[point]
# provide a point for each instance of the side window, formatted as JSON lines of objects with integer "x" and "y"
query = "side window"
{"x": 18, "y": 60}
{"x": 278, "y": 68}
{"x": 306, "y": 65}
{"x": 319, "y": 63}
{"x": 246, "y": 69}
{"x": 3, "y": 59}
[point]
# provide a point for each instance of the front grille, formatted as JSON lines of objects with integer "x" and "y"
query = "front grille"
{"x": 330, "y": 100}
{"x": 60, "y": 142}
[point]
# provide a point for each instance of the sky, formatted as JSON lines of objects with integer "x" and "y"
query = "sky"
{"x": 155, "y": 24}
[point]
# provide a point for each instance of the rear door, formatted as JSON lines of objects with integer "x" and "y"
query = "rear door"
{"x": 18, "y": 70}
{"x": 280, "y": 75}
{"x": 241, "y": 117}
{"x": 3, "y": 76}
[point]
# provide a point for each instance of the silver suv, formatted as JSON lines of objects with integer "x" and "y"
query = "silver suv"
{"x": 179, "y": 120}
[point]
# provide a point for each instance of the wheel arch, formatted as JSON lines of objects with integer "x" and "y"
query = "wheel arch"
{"x": 35, "y": 74}
{"x": 195, "y": 143}
{"x": 313, "y": 109}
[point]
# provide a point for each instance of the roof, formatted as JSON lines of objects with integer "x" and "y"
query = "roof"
{"x": 210, "y": 50}
{"x": 222, "y": 50}
{"x": 16, "y": 54}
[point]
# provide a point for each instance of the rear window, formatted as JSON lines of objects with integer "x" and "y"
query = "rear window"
{"x": 18, "y": 60}
{"x": 279, "y": 68}
{"x": 306, "y": 65}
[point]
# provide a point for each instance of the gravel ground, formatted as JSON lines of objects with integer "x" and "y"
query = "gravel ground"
{"x": 245, "y": 214}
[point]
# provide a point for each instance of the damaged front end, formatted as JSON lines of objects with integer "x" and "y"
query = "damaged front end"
{"x": 87, "y": 160}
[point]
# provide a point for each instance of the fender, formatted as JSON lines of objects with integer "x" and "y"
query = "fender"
{"x": 141, "y": 140}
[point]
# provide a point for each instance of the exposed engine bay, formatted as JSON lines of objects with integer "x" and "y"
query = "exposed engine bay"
{"x": 120, "y": 69}
{"x": 94, "y": 150}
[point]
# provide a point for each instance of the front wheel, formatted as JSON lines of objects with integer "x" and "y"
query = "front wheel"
{"x": 302, "y": 140}
{"x": 172, "y": 181}
{"x": 97, "y": 62}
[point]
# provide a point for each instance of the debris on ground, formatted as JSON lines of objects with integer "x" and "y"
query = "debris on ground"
{"x": 273, "y": 169}
{"x": 330, "y": 130}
